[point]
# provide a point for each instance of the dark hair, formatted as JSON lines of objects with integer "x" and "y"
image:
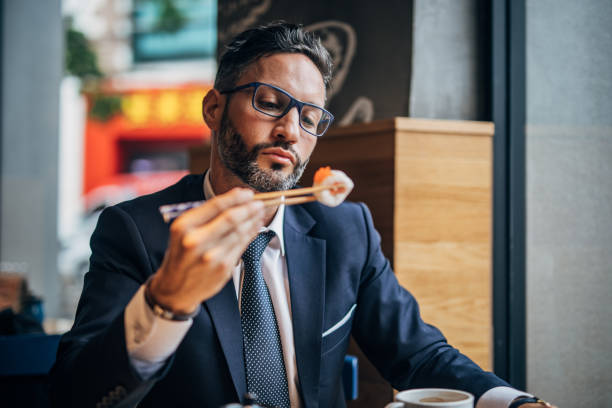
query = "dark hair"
{"x": 273, "y": 38}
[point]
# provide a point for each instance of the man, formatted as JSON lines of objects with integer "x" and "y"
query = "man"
{"x": 198, "y": 312}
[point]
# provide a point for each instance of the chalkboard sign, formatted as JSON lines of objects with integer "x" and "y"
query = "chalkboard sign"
{"x": 370, "y": 43}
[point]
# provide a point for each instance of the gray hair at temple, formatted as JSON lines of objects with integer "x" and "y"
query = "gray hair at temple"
{"x": 273, "y": 38}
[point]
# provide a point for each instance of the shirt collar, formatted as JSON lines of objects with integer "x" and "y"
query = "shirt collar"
{"x": 277, "y": 222}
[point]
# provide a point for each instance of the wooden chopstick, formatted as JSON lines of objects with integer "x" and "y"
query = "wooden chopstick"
{"x": 297, "y": 196}
{"x": 289, "y": 201}
{"x": 295, "y": 192}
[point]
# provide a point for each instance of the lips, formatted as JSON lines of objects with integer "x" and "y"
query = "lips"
{"x": 279, "y": 155}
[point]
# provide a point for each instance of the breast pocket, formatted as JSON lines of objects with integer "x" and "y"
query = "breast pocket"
{"x": 337, "y": 332}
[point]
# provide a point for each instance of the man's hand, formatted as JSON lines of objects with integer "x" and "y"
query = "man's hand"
{"x": 204, "y": 247}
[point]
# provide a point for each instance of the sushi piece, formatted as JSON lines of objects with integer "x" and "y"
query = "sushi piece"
{"x": 332, "y": 197}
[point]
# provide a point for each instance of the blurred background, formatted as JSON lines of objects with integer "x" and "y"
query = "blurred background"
{"x": 101, "y": 103}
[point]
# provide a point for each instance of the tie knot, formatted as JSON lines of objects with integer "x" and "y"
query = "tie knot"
{"x": 257, "y": 246}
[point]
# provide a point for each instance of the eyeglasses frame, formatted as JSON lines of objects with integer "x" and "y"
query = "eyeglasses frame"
{"x": 292, "y": 102}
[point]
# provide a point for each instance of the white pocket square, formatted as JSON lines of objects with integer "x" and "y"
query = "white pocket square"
{"x": 340, "y": 323}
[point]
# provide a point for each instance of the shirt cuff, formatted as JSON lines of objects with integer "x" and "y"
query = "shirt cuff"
{"x": 149, "y": 339}
{"x": 500, "y": 397}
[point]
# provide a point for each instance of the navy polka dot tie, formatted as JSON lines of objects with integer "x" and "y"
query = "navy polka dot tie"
{"x": 263, "y": 352}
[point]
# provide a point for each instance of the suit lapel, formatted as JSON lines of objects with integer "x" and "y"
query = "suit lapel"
{"x": 223, "y": 309}
{"x": 306, "y": 269}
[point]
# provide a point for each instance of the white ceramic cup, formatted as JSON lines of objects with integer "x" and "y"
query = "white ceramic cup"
{"x": 432, "y": 397}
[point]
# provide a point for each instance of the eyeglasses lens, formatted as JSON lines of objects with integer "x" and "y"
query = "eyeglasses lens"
{"x": 270, "y": 101}
{"x": 274, "y": 103}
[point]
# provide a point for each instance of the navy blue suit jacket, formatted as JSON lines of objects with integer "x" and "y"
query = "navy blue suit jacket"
{"x": 334, "y": 262}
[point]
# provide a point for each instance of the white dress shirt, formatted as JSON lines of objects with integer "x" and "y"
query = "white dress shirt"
{"x": 151, "y": 340}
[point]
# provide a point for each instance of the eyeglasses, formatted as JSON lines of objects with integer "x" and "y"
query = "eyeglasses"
{"x": 276, "y": 102}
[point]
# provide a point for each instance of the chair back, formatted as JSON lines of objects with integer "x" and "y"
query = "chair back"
{"x": 25, "y": 361}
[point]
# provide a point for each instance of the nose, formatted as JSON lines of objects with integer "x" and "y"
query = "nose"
{"x": 288, "y": 127}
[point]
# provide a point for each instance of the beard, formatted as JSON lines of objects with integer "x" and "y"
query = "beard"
{"x": 242, "y": 162}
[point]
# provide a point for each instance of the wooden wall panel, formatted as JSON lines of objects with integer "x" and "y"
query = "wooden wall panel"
{"x": 443, "y": 230}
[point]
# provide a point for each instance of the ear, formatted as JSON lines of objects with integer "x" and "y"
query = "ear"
{"x": 212, "y": 109}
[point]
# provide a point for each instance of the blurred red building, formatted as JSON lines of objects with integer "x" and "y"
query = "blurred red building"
{"x": 142, "y": 146}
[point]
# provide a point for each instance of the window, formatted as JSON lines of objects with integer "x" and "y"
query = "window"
{"x": 174, "y": 29}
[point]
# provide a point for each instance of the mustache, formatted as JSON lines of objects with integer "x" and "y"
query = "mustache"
{"x": 279, "y": 143}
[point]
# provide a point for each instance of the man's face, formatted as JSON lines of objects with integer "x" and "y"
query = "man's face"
{"x": 270, "y": 153}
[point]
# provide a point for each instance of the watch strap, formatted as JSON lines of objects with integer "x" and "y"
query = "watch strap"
{"x": 528, "y": 400}
{"x": 164, "y": 312}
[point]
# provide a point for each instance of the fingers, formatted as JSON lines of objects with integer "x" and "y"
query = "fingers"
{"x": 201, "y": 228}
{"x": 231, "y": 220}
{"x": 205, "y": 245}
{"x": 233, "y": 245}
{"x": 211, "y": 208}
{"x": 227, "y": 247}
{"x": 211, "y": 270}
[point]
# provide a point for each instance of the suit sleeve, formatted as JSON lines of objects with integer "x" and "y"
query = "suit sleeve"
{"x": 92, "y": 365}
{"x": 408, "y": 352}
